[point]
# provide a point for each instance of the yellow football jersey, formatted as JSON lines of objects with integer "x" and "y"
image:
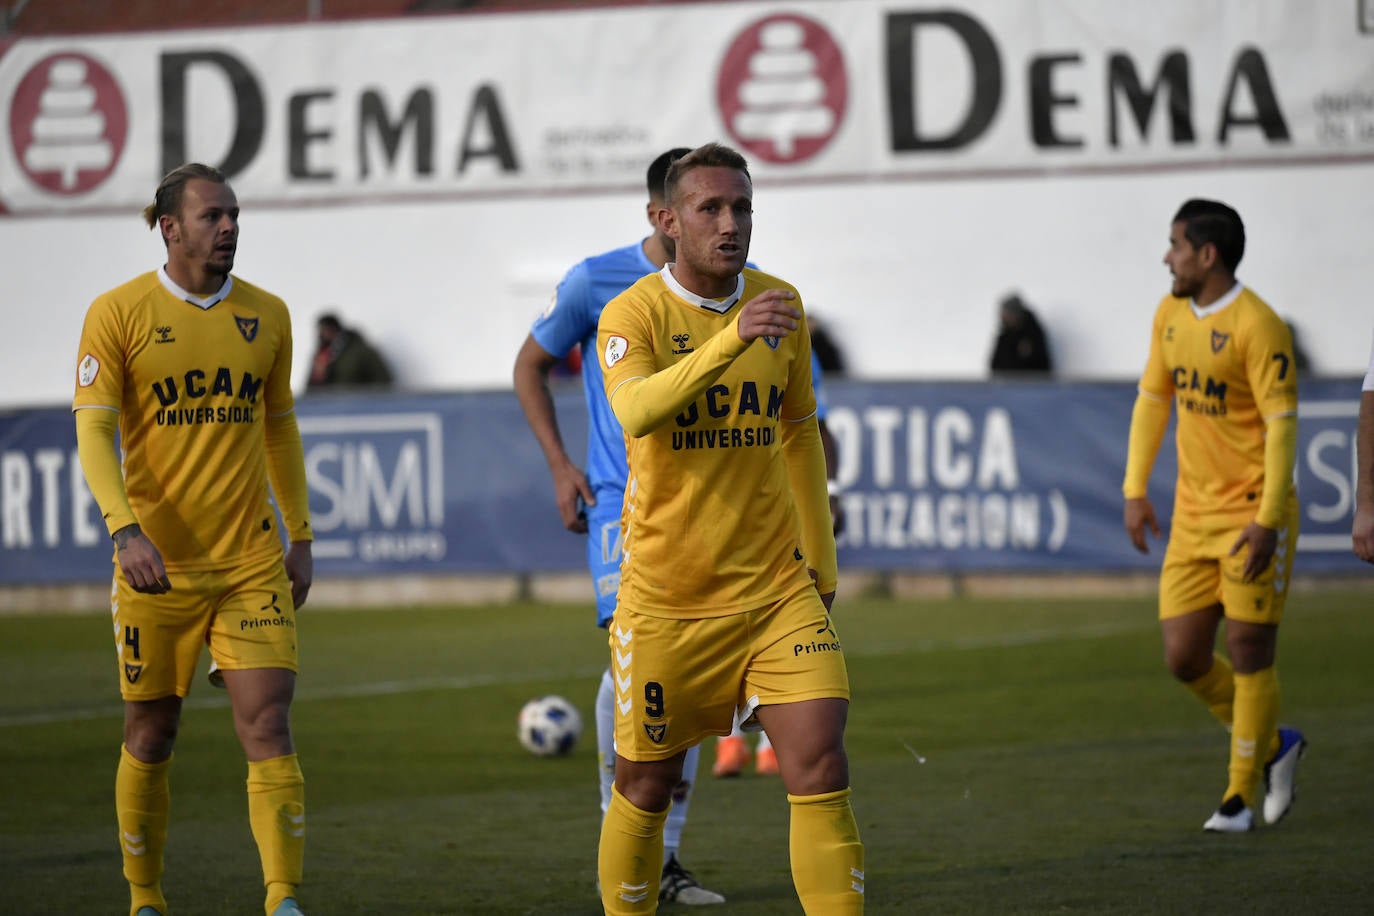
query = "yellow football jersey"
{"x": 193, "y": 381}
{"x": 1228, "y": 367}
{"x": 696, "y": 543}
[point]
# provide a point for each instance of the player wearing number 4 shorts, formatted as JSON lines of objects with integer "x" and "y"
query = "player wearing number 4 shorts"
{"x": 1225, "y": 359}
{"x": 192, "y": 367}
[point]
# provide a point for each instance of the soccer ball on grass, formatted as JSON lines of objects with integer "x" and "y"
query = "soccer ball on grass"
{"x": 549, "y": 726}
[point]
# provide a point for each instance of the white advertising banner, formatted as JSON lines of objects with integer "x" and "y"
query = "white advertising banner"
{"x": 450, "y": 107}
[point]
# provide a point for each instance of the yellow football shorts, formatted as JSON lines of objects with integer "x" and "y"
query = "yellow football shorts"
{"x": 244, "y": 614}
{"x": 1197, "y": 572}
{"x": 678, "y": 680}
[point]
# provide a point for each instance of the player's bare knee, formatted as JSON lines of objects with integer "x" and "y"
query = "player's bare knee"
{"x": 827, "y": 773}
{"x": 270, "y": 723}
{"x": 1247, "y": 657}
{"x": 150, "y": 737}
{"x": 648, "y": 786}
{"x": 1187, "y": 663}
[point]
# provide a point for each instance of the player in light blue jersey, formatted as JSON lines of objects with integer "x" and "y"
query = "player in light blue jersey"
{"x": 590, "y": 503}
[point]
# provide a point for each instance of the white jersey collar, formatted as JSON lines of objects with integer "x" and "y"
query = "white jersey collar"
{"x": 722, "y": 306}
{"x": 1202, "y": 311}
{"x": 203, "y": 302}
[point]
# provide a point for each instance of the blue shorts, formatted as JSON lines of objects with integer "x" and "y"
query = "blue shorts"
{"x": 603, "y": 552}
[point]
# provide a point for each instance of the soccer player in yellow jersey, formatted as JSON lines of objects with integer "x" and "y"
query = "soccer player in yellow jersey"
{"x": 1362, "y": 530}
{"x": 728, "y": 569}
{"x": 1226, "y": 359}
{"x": 192, "y": 367}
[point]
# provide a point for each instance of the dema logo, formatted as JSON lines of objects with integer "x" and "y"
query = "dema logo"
{"x": 782, "y": 89}
{"x": 68, "y": 123}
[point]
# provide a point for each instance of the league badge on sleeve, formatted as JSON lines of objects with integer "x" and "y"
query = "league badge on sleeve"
{"x": 87, "y": 370}
{"x": 616, "y": 348}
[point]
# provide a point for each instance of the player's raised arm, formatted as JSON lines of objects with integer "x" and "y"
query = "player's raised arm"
{"x": 643, "y": 397}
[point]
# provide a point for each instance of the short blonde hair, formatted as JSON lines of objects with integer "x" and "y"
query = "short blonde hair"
{"x": 167, "y": 198}
{"x": 709, "y": 155}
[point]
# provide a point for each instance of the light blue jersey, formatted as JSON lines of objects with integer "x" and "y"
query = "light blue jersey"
{"x": 571, "y": 321}
{"x": 822, "y": 406}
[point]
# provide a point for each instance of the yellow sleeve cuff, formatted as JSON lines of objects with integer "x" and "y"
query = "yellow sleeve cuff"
{"x": 95, "y": 445}
{"x": 1280, "y": 453}
{"x": 1149, "y": 422}
{"x": 805, "y": 457}
{"x": 286, "y": 471}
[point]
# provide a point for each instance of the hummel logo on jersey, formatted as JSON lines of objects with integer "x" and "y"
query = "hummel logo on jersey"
{"x": 1219, "y": 340}
{"x": 164, "y": 334}
{"x": 681, "y": 341}
{"x": 248, "y": 327}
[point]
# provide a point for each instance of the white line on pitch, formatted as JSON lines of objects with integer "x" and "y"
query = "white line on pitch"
{"x": 219, "y": 700}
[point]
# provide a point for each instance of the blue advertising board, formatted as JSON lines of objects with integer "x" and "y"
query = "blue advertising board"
{"x": 936, "y": 476}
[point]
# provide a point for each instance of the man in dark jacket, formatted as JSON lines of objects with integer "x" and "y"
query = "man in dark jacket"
{"x": 1021, "y": 345}
{"x": 345, "y": 358}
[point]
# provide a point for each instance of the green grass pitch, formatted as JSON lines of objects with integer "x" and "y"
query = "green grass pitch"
{"x": 1007, "y": 757}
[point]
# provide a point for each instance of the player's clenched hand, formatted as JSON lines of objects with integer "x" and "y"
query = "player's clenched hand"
{"x": 1261, "y": 542}
{"x": 1362, "y": 533}
{"x": 300, "y": 569}
{"x": 769, "y": 314}
{"x": 140, "y": 561}
{"x": 571, "y": 491}
{"x": 1139, "y": 515}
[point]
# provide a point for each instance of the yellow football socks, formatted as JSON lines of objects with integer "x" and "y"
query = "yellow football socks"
{"x": 630, "y": 857}
{"x": 1253, "y": 729}
{"x": 276, "y": 812}
{"x": 1217, "y": 689}
{"x": 827, "y": 855}
{"x": 142, "y": 800}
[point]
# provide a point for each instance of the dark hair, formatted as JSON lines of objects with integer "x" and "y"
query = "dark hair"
{"x": 710, "y": 155}
{"x": 167, "y": 198}
{"x": 658, "y": 169}
{"x": 1210, "y": 221}
{"x": 329, "y": 320}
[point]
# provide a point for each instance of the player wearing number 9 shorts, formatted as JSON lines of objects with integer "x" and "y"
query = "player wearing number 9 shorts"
{"x": 726, "y": 519}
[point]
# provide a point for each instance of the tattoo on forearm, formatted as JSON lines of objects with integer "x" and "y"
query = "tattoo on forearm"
{"x": 121, "y": 537}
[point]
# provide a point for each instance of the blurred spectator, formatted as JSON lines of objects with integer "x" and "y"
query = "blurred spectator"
{"x": 344, "y": 358}
{"x": 825, "y": 347}
{"x": 1021, "y": 345}
{"x": 1301, "y": 364}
